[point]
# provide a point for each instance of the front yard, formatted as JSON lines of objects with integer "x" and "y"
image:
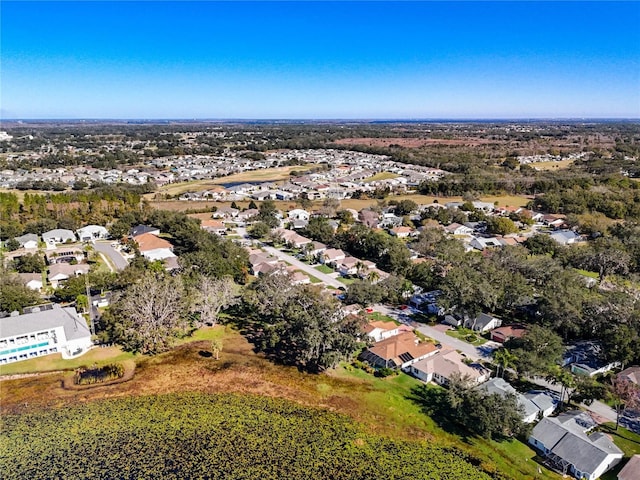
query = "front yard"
{"x": 324, "y": 269}
{"x": 467, "y": 335}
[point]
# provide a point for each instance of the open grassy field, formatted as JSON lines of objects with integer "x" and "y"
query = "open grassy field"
{"x": 552, "y": 165}
{"x": 384, "y": 406}
{"x": 263, "y": 175}
{"x": 55, "y": 362}
{"x": 381, "y": 176}
{"x": 356, "y": 204}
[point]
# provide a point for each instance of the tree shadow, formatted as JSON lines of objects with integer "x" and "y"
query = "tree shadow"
{"x": 433, "y": 402}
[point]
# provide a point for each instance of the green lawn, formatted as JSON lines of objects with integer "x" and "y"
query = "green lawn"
{"x": 54, "y": 362}
{"x": 464, "y": 333}
{"x": 393, "y": 400}
{"x": 626, "y": 441}
{"x": 313, "y": 279}
{"x": 98, "y": 355}
{"x": 377, "y": 316}
{"x": 587, "y": 273}
{"x": 346, "y": 281}
{"x": 381, "y": 176}
{"x": 324, "y": 269}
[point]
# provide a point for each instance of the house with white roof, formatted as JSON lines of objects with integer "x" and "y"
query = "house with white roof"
{"x": 28, "y": 241}
{"x": 58, "y": 235}
{"x": 59, "y": 330}
{"x": 92, "y": 232}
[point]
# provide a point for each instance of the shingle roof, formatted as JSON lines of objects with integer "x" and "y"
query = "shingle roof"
{"x": 74, "y": 325}
{"x": 631, "y": 471}
{"x": 565, "y": 436}
{"x": 148, "y": 241}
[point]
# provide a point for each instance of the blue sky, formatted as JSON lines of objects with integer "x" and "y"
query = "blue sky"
{"x": 319, "y": 59}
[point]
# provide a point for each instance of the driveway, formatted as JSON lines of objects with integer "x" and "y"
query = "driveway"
{"x": 326, "y": 279}
{"x": 116, "y": 257}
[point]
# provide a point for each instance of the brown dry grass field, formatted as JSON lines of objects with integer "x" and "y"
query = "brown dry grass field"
{"x": 383, "y": 406}
{"x": 414, "y": 142}
{"x": 552, "y": 165}
{"x": 265, "y": 175}
{"x": 181, "y": 206}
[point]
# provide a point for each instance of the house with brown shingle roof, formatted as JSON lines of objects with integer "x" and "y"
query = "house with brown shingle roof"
{"x": 398, "y": 351}
{"x": 508, "y": 332}
{"x": 631, "y": 471}
{"x": 442, "y": 367}
{"x": 147, "y": 242}
{"x": 214, "y": 226}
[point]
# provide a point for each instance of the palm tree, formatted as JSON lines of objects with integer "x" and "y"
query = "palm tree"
{"x": 360, "y": 267}
{"x": 504, "y": 359}
{"x": 373, "y": 276}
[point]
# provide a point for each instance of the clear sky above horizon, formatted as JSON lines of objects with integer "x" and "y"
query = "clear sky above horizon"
{"x": 158, "y": 59}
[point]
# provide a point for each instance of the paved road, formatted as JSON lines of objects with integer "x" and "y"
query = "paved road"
{"x": 116, "y": 257}
{"x": 304, "y": 267}
{"x": 475, "y": 353}
{"x": 484, "y": 352}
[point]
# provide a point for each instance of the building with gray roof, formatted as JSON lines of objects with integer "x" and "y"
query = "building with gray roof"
{"x": 500, "y": 387}
{"x": 42, "y": 332}
{"x": 59, "y": 235}
{"x": 564, "y": 440}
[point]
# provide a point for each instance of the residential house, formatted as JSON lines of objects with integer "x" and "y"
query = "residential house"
{"x": 631, "y": 374}
{"x": 58, "y": 330}
{"x": 92, "y": 232}
{"x": 142, "y": 229}
{"x": 457, "y": 229}
{"x": 482, "y": 243}
{"x": 379, "y": 330}
{"x": 454, "y": 320}
{"x": 28, "y": 241}
{"x": 214, "y": 226}
{"x": 565, "y": 237}
{"x": 58, "y": 235}
{"x": 446, "y": 364}
{"x": 349, "y": 266}
{"x": 555, "y": 221}
{"x": 508, "y": 332}
{"x": 32, "y": 280}
{"x": 530, "y": 412}
{"x": 398, "y": 351}
{"x": 298, "y": 214}
{"x": 332, "y": 256}
{"x": 566, "y": 442}
{"x": 631, "y": 471}
{"x": 225, "y": 212}
{"x": 482, "y": 323}
{"x": 299, "y": 278}
{"x": 545, "y": 401}
{"x": 247, "y": 214}
{"x": 153, "y": 247}
{"x": 401, "y": 232}
{"x": 586, "y": 358}
{"x": 292, "y": 238}
{"x": 59, "y": 272}
{"x": 64, "y": 255}
{"x": 317, "y": 248}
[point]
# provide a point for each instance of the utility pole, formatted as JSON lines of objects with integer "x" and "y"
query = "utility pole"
{"x": 89, "y": 304}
